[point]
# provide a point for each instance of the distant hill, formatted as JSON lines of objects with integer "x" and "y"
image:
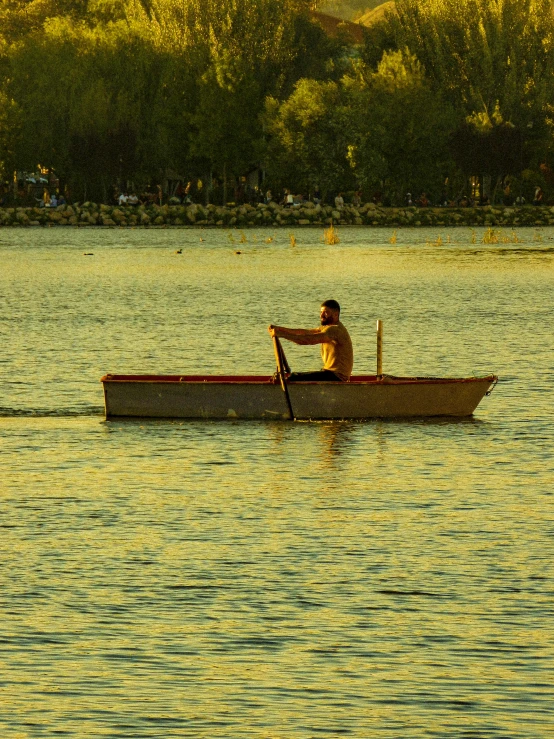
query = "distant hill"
{"x": 348, "y": 9}
{"x": 376, "y": 14}
{"x": 334, "y": 26}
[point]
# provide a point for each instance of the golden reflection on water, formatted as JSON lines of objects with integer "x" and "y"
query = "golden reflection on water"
{"x": 274, "y": 579}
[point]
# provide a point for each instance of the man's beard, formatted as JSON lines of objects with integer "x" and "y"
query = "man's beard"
{"x": 325, "y": 321}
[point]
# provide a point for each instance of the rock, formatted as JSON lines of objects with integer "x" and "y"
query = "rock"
{"x": 369, "y": 214}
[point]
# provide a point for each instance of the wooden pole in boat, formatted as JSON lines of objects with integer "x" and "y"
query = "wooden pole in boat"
{"x": 281, "y": 361}
{"x": 379, "y": 348}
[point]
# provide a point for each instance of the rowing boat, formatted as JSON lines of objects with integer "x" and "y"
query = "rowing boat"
{"x": 268, "y": 397}
{"x": 261, "y": 397}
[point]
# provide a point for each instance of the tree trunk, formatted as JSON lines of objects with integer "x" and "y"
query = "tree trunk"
{"x": 494, "y": 192}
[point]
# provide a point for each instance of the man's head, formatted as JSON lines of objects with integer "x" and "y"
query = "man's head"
{"x": 329, "y": 313}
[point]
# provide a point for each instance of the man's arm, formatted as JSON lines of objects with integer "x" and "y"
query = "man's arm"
{"x": 302, "y": 336}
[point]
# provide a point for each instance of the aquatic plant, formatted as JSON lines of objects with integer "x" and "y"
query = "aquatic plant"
{"x": 330, "y": 236}
{"x": 491, "y": 236}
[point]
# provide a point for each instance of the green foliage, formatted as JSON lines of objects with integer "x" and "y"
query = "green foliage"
{"x": 379, "y": 38}
{"x": 91, "y": 123}
{"x": 482, "y": 53}
{"x": 401, "y": 127}
{"x": 19, "y": 18}
{"x": 493, "y": 59}
{"x": 9, "y": 120}
{"x": 113, "y": 90}
{"x": 241, "y": 51}
{"x": 310, "y": 136}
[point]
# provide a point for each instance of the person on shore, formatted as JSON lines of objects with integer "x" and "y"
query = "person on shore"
{"x": 423, "y": 201}
{"x": 336, "y": 346}
{"x": 537, "y": 200}
{"x": 339, "y": 201}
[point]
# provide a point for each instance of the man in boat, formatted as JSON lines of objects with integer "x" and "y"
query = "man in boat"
{"x": 336, "y": 345}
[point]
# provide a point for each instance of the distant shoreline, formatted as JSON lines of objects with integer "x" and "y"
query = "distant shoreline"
{"x": 90, "y": 215}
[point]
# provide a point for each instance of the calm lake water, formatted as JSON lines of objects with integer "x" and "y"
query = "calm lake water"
{"x": 274, "y": 580}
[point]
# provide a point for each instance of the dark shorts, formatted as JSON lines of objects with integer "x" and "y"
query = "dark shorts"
{"x": 319, "y": 376}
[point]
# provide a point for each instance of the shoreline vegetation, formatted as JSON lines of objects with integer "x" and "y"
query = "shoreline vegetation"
{"x": 224, "y": 100}
{"x": 273, "y": 215}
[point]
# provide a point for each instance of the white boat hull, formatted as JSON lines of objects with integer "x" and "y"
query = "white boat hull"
{"x": 252, "y": 397}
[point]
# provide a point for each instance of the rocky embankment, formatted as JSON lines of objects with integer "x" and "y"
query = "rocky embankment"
{"x": 244, "y": 216}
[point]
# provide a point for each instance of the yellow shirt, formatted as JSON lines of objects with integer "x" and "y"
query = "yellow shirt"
{"x": 337, "y": 354}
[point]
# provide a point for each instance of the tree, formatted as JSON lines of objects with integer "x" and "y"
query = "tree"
{"x": 241, "y": 51}
{"x": 94, "y": 123}
{"x": 309, "y": 137}
{"x": 401, "y": 128}
{"x": 492, "y": 59}
{"x": 18, "y": 18}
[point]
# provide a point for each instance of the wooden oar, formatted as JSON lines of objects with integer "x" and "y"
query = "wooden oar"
{"x": 281, "y": 362}
{"x": 283, "y": 358}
